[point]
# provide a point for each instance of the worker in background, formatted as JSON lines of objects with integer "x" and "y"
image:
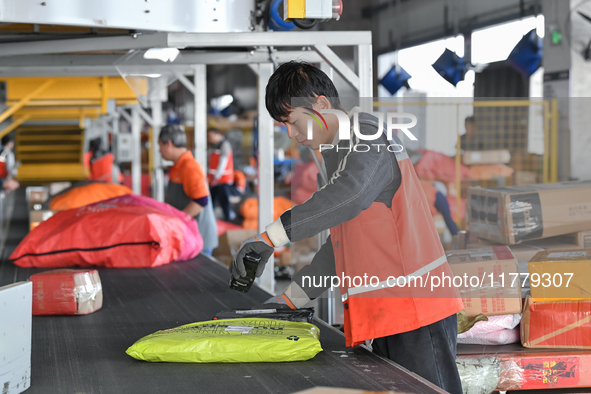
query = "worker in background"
{"x": 380, "y": 226}
{"x": 8, "y": 165}
{"x": 221, "y": 171}
{"x": 438, "y": 204}
{"x": 7, "y": 160}
{"x": 99, "y": 162}
{"x": 187, "y": 189}
{"x": 471, "y": 141}
{"x": 239, "y": 186}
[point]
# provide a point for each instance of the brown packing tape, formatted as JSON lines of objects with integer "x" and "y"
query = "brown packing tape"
{"x": 563, "y": 330}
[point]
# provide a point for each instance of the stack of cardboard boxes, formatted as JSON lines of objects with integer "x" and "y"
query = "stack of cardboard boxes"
{"x": 548, "y": 229}
{"x": 36, "y": 198}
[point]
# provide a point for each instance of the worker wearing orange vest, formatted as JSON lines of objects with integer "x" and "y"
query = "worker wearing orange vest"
{"x": 99, "y": 163}
{"x": 380, "y": 228}
{"x": 221, "y": 171}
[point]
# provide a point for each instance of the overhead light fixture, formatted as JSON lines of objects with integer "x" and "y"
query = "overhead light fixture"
{"x": 526, "y": 57}
{"x": 450, "y": 66}
{"x": 395, "y": 79}
{"x": 222, "y": 102}
{"x": 163, "y": 54}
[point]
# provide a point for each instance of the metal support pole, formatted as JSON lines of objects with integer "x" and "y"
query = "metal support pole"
{"x": 156, "y": 105}
{"x": 339, "y": 65}
{"x": 116, "y": 171}
{"x": 200, "y": 83}
{"x": 554, "y": 142}
{"x": 265, "y": 162}
{"x": 136, "y": 161}
{"x": 363, "y": 57}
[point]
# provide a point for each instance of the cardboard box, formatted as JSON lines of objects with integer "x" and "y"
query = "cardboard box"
{"x": 581, "y": 239}
{"x": 58, "y": 187}
{"x": 37, "y": 194}
{"x": 487, "y": 157}
{"x": 521, "y": 178}
{"x": 560, "y": 275}
{"x": 67, "y": 292}
{"x": 526, "y": 251}
{"x": 36, "y": 217}
{"x": 556, "y": 324}
{"x": 490, "y": 287}
{"x": 285, "y": 258}
{"x": 15, "y": 337}
{"x": 229, "y": 244}
{"x": 510, "y": 215}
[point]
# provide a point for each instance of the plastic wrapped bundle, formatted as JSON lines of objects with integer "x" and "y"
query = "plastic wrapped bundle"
{"x": 498, "y": 330}
{"x": 67, "y": 292}
{"x": 479, "y": 375}
{"x": 230, "y": 341}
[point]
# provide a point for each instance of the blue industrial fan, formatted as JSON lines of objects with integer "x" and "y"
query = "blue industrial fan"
{"x": 393, "y": 81}
{"x": 450, "y": 66}
{"x": 526, "y": 57}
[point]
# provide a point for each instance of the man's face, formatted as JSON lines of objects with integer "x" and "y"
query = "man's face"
{"x": 213, "y": 138}
{"x": 297, "y": 127}
{"x": 165, "y": 150}
{"x": 470, "y": 129}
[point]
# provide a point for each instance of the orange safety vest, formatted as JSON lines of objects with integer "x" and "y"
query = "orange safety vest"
{"x": 431, "y": 194}
{"x": 399, "y": 242}
{"x": 101, "y": 169}
{"x": 214, "y": 161}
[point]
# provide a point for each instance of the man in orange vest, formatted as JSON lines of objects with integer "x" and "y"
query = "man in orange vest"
{"x": 187, "y": 189}
{"x": 380, "y": 228}
{"x": 99, "y": 163}
{"x": 221, "y": 171}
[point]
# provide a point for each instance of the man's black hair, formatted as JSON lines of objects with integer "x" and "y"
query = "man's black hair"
{"x": 6, "y": 139}
{"x": 95, "y": 144}
{"x": 214, "y": 130}
{"x": 299, "y": 80}
{"x": 175, "y": 134}
{"x": 470, "y": 119}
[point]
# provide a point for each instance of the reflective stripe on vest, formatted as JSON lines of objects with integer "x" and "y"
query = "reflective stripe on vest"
{"x": 407, "y": 279}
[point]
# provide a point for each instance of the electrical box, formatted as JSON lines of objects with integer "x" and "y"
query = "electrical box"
{"x": 124, "y": 148}
{"x": 16, "y": 311}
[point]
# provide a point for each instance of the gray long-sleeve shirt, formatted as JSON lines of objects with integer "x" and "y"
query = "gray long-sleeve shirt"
{"x": 357, "y": 179}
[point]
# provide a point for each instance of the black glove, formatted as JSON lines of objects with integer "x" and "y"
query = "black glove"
{"x": 256, "y": 245}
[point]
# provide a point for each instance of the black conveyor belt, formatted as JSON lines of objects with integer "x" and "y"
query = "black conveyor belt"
{"x": 86, "y": 354}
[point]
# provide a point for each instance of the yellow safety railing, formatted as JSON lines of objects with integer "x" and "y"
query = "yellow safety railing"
{"x": 508, "y": 115}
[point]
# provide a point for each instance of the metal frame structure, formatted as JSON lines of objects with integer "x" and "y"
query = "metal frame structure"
{"x": 41, "y": 58}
